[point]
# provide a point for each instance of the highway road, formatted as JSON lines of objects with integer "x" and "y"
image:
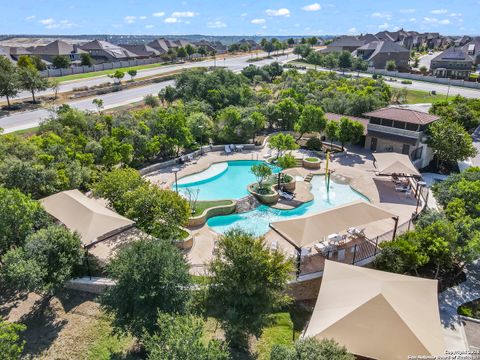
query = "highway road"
{"x": 25, "y": 120}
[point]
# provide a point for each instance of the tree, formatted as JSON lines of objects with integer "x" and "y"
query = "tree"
{"x": 115, "y": 184}
{"x": 11, "y": 344}
{"x": 181, "y": 337}
{"x": 182, "y": 53}
{"x": 312, "y": 41}
{"x": 117, "y": 76}
{"x": 311, "y": 348}
{"x": 20, "y": 216}
{"x": 190, "y": 50}
{"x": 287, "y": 114}
{"x": 290, "y": 42}
{"x": 38, "y": 63}
{"x": 312, "y": 120}
{"x": 25, "y": 61}
{"x": 257, "y": 122}
{"x": 345, "y": 60}
{"x": 282, "y": 142}
{"x": 132, "y": 73}
{"x": 54, "y": 84}
{"x": 391, "y": 65}
{"x": 247, "y": 284}
{"x": 262, "y": 172}
{"x": 450, "y": 142}
{"x": 359, "y": 65}
{"x": 52, "y": 253}
{"x": 284, "y": 162}
{"x": 314, "y": 58}
{"x": 331, "y": 132}
{"x": 151, "y": 276}
{"x": 349, "y": 131}
{"x": 86, "y": 59}
{"x": 98, "y": 103}
{"x": 151, "y": 101}
{"x": 269, "y": 47}
{"x": 9, "y": 80}
{"x": 200, "y": 126}
{"x": 61, "y": 61}
{"x": 31, "y": 80}
{"x": 233, "y": 48}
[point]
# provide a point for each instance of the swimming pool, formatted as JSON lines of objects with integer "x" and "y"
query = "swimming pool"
{"x": 257, "y": 221}
{"x": 226, "y": 180}
{"x": 229, "y": 180}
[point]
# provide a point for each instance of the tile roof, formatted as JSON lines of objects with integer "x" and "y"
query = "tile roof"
{"x": 405, "y": 115}
{"x": 141, "y": 50}
{"x": 56, "y": 47}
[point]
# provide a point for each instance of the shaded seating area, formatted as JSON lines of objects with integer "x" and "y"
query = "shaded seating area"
{"x": 376, "y": 314}
{"x": 327, "y": 226}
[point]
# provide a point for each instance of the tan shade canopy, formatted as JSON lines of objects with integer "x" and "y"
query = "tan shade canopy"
{"x": 84, "y": 215}
{"x": 395, "y": 164}
{"x": 308, "y": 230}
{"x": 376, "y": 314}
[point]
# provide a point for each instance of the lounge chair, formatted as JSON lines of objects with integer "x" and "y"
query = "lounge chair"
{"x": 401, "y": 188}
{"x": 227, "y": 149}
{"x": 232, "y": 147}
{"x": 268, "y": 154}
{"x": 192, "y": 158}
{"x": 285, "y": 196}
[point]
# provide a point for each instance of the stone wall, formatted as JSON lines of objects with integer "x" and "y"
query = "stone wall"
{"x": 305, "y": 290}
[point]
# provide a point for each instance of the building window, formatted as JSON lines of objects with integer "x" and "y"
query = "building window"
{"x": 412, "y": 127}
{"x": 386, "y": 122}
{"x": 406, "y": 149}
{"x": 417, "y": 153}
{"x": 399, "y": 124}
{"x": 375, "y": 121}
{"x": 373, "y": 144}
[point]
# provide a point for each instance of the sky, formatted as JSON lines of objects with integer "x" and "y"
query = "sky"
{"x": 238, "y": 17}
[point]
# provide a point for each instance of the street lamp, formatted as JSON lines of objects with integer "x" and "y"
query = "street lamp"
{"x": 201, "y": 139}
{"x": 175, "y": 171}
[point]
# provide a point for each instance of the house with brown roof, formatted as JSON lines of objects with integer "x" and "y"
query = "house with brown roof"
{"x": 343, "y": 43}
{"x": 103, "y": 51}
{"x": 457, "y": 62}
{"x": 402, "y": 131}
{"x": 141, "y": 51}
{"x": 378, "y": 53}
{"x": 57, "y": 48}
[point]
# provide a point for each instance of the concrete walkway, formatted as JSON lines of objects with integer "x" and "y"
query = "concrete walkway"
{"x": 451, "y": 299}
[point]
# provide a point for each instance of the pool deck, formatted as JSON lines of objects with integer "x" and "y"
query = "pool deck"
{"x": 355, "y": 168}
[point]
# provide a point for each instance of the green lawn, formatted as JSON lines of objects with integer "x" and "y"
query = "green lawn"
{"x": 470, "y": 309}
{"x": 312, "y": 159}
{"x": 106, "y": 72}
{"x": 419, "y": 97}
{"x": 202, "y": 205}
{"x": 279, "y": 333}
{"x": 26, "y": 132}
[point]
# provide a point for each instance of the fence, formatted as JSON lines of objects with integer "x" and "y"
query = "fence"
{"x": 427, "y": 78}
{"x": 99, "y": 67}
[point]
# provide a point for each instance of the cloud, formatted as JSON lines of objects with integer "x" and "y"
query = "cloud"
{"x": 171, "y": 20}
{"x": 279, "y": 12}
{"x": 384, "y": 26}
{"x": 258, "y": 21}
{"x": 352, "y": 30}
{"x": 407, "y": 11}
{"x": 142, "y": 17}
{"x": 216, "y": 24}
{"x": 243, "y": 14}
{"x": 159, "y": 14}
{"x": 30, "y": 17}
{"x": 439, "y": 11}
{"x": 312, "y": 7}
{"x": 129, "y": 19}
{"x": 429, "y": 20}
{"x": 149, "y": 26}
{"x": 382, "y": 15}
{"x": 413, "y": 19}
{"x": 188, "y": 14}
{"x": 48, "y": 21}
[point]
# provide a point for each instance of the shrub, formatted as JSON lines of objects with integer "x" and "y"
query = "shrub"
{"x": 151, "y": 101}
{"x": 407, "y": 82}
{"x": 314, "y": 143}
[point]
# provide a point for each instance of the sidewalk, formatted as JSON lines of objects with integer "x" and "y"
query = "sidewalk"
{"x": 451, "y": 299}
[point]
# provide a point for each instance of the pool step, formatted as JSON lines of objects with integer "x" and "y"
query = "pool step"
{"x": 299, "y": 162}
{"x": 308, "y": 178}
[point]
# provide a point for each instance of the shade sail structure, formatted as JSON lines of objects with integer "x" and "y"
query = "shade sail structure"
{"x": 86, "y": 216}
{"x": 376, "y": 314}
{"x": 308, "y": 230}
{"x": 395, "y": 164}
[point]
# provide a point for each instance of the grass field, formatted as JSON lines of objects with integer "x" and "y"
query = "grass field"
{"x": 106, "y": 72}
{"x": 202, "y": 205}
{"x": 419, "y": 97}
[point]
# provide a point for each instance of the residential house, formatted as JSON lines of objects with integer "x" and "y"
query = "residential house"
{"x": 56, "y": 48}
{"x": 5, "y": 51}
{"x": 402, "y": 131}
{"x": 343, "y": 43}
{"x": 377, "y": 53}
{"x": 457, "y": 62}
{"x": 252, "y": 44}
{"x": 103, "y": 51}
{"x": 210, "y": 46}
{"x": 141, "y": 51}
{"x": 16, "y": 52}
{"x": 160, "y": 45}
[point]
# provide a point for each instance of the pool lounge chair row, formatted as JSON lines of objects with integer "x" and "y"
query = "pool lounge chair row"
{"x": 233, "y": 148}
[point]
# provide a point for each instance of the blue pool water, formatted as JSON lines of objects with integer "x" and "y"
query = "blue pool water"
{"x": 257, "y": 221}
{"x": 229, "y": 182}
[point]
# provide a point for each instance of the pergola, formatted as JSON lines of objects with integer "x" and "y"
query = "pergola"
{"x": 377, "y": 314}
{"x": 390, "y": 163}
{"x": 306, "y": 231}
